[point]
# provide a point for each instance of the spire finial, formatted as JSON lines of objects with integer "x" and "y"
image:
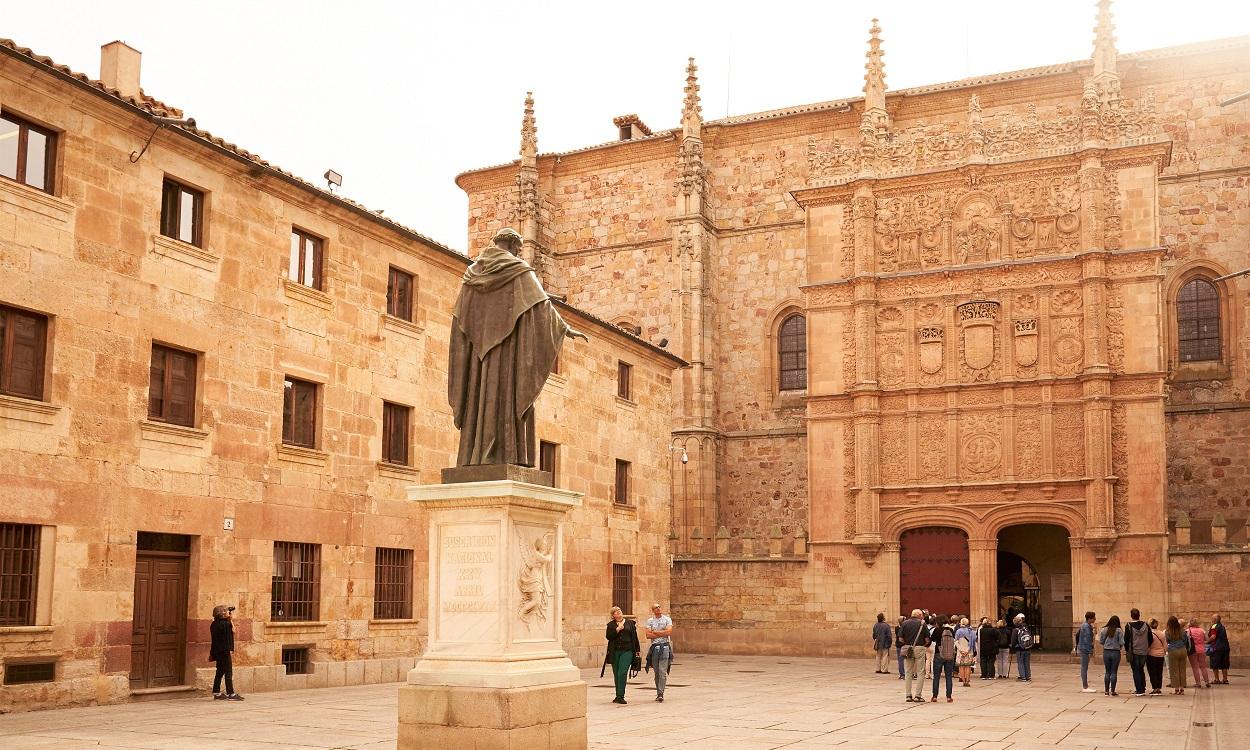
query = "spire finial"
{"x": 529, "y": 132}
{"x": 874, "y": 76}
{"x": 1104, "y": 41}
{"x": 691, "y": 110}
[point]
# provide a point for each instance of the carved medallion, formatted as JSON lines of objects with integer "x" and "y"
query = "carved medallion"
{"x": 1022, "y": 228}
{"x": 1068, "y": 223}
{"x": 1068, "y": 349}
{"x": 1026, "y": 342}
{"x": 930, "y": 340}
{"x": 981, "y": 449}
{"x": 977, "y": 321}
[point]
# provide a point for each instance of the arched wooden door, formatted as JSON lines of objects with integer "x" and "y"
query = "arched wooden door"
{"x": 933, "y": 570}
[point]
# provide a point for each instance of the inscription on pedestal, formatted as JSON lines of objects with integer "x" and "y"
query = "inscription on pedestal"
{"x": 468, "y": 586}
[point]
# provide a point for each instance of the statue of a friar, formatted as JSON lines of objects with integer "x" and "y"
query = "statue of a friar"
{"x": 505, "y": 337}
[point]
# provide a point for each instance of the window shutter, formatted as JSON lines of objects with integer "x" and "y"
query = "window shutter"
{"x": 156, "y": 384}
{"x": 26, "y": 371}
{"x": 181, "y": 388}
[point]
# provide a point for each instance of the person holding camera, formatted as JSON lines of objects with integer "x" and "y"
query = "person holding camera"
{"x": 221, "y": 633}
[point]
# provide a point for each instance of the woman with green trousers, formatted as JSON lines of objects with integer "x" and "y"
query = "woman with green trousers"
{"x": 623, "y": 650}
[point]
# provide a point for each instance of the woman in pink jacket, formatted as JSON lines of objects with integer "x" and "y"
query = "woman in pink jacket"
{"x": 1198, "y": 659}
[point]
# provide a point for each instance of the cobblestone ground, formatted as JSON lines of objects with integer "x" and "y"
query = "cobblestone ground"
{"x": 713, "y": 702}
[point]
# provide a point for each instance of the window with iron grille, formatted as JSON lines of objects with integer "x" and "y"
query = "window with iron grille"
{"x": 395, "y": 420}
{"x": 27, "y": 672}
{"x": 392, "y": 584}
{"x": 23, "y": 345}
{"x": 792, "y": 352}
{"x": 624, "y": 372}
{"x": 295, "y": 659}
{"x": 296, "y": 582}
{"x": 623, "y": 587}
{"x": 621, "y": 496}
{"x": 399, "y": 296}
{"x": 299, "y": 413}
{"x": 182, "y": 213}
{"x": 1198, "y": 322}
{"x": 306, "y": 259}
{"x": 547, "y": 453}
{"x": 171, "y": 390}
{"x": 27, "y": 153}
{"x": 19, "y": 573}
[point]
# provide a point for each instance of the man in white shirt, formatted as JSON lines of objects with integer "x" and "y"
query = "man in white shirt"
{"x": 660, "y": 655}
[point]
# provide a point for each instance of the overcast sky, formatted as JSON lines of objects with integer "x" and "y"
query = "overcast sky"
{"x": 400, "y": 97}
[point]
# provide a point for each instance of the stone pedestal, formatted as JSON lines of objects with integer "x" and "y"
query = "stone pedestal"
{"x": 494, "y": 674}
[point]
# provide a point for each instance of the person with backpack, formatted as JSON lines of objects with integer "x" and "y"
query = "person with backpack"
{"x": 1085, "y": 648}
{"x": 987, "y": 645}
{"x": 1111, "y": 638}
{"x": 1022, "y": 642}
{"x": 881, "y": 638}
{"x": 915, "y": 635}
{"x": 1156, "y": 658}
{"x": 1178, "y": 654}
{"x": 965, "y": 651}
{"x": 944, "y": 653}
{"x": 1198, "y": 654}
{"x": 1137, "y": 640}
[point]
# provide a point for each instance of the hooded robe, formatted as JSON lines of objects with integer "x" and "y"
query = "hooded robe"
{"x": 505, "y": 337}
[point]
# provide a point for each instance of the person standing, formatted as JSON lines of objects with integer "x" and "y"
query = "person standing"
{"x": 1022, "y": 642}
{"x": 1005, "y": 652}
{"x": 1219, "y": 650}
{"x": 623, "y": 648}
{"x": 1111, "y": 638}
{"x": 944, "y": 653}
{"x": 898, "y": 646}
{"x": 987, "y": 645}
{"x": 1178, "y": 653}
{"x": 1085, "y": 649}
{"x": 1198, "y": 654}
{"x": 915, "y": 635}
{"x": 1156, "y": 657}
{"x": 1137, "y": 640}
{"x": 881, "y": 638}
{"x": 221, "y": 646}
{"x": 660, "y": 654}
{"x": 965, "y": 650}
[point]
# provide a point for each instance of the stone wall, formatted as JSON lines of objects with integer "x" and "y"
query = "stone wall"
{"x": 1209, "y": 470}
{"x": 1207, "y": 580}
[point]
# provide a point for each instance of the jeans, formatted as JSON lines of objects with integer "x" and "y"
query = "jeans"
{"x": 1085, "y": 669}
{"x": 661, "y": 657}
{"x": 620, "y": 670}
{"x": 1111, "y": 667}
{"x": 902, "y": 670}
{"x": 1154, "y": 667}
{"x": 940, "y": 666}
{"x": 225, "y": 668}
{"x": 1004, "y": 663}
{"x": 1138, "y": 665}
{"x": 915, "y": 670}
{"x": 1022, "y": 661}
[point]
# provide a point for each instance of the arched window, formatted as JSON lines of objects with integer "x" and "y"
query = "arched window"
{"x": 792, "y": 349}
{"x": 1198, "y": 322}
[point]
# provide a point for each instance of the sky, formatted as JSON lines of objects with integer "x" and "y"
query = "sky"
{"x": 400, "y": 97}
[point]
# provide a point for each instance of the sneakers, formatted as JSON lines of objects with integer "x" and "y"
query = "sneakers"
{"x": 234, "y": 697}
{"x": 950, "y": 699}
{"x": 1088, "y": 690}
{"x": 620, "y": 701}
{"x": 219, "y": 696}
{"x": 933, "y": 699}
{"x": 659, "y": 699}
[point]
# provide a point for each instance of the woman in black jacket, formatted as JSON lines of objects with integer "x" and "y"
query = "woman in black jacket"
{"x": 623, "y": 649}
{"x": 221, "y": 633}
{"x": 987, "y": 647}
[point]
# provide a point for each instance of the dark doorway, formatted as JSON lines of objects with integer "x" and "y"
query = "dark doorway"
{"x": 1035, "y": 578}
{"x": 159, "y": 636}
{"x": 933, "y": 570}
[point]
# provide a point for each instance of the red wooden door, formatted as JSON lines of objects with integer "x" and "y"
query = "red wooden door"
{"x": 933, "y": 571}
{"x": 158, "y": 640}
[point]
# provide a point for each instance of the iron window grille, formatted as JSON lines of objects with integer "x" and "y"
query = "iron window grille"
{"x": 299, "y": 413}
{"x": 182, "y": 213}
{"x": 296, "y": 594}
{"x": 792, "y": 352}
{"x": 399, "y": 296}
{"x": 23, "y": 346}
{"x": 27, "y": 153}
{"x": 306, "y": 259}
{"x": 171, "y": 391}
{"x": 19, "y": 573}
{"x": 622, "y": 483}
{"x": 623, "y": 587}
{"x": 395, "y": 419}
{"x": 23, "y": 673}
{"x": 296, "y": 660}
{"x": 1198, "y": 322}
{"x": 392, "y": 584}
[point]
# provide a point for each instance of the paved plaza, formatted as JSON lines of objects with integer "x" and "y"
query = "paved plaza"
{"x": 713, "y": 703}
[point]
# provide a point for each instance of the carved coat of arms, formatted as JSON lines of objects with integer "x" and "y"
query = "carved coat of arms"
{"x": 1026, "y": 342}
{"x": 930, "y": 345}
{"x": 978, "y": 320}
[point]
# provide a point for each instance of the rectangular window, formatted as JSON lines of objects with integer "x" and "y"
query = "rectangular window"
{"x": 299, "y": 413}
{"x": 19, "y": 573}
{"x": 171, "y": 390}
{"x": 306, "y": 259}
{"x": 27, "y": 153}
{"x": 295, "y": 659}
{"x": 624, "y": 372}
{"x": 26, "y": 672}
{"x": 296, "y": 582}
{"x": 23, "y": 344}
{"x": 395, "y": 420}
{"x": 182, "y": 213}
{"x": 623, "y": 587}
{"x": 622, "y": 483}
{"x": 547, "y": 458}
{"x": 399, "y": 286}
{"x": 392, "y": 584}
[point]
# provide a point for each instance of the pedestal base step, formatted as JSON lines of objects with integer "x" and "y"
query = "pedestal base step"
{"x": 547, "y": 717}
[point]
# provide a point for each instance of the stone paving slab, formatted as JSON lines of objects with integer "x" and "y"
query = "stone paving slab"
{"x": 714, "y": 703}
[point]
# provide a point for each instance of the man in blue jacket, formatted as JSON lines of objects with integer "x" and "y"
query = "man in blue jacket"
{"x": 1085, "y": 648}
{"x": 881, "y": 641}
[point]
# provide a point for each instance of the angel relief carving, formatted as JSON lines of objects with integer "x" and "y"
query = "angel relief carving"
{"x": 534, "y": 578}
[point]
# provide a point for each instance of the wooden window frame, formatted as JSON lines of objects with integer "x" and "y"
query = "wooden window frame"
{"x": 621, "y": 484}
{"x": 24, "y": 128}
{"x": 19, "y": 583}
{"x": 8, "y": 332}
{"x": 549, "y": 459}
{"x": 289, "y": 431}
{"x": 623, "y": 587}
{"x": 392, "y": 583}
{"x": 403, "y": 309}
{"x": 389, "y": 450}
{"x": 308, "y": 242}
{"x": 295, "y": 598}
{"x": 169, "y": 353}
{"x": 792, "y": 343}
{"x": 171, "y": 224}
{"x": 624, "y": 380}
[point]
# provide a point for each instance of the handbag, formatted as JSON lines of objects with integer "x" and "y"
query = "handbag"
{"x": 1210, "y": 649}
{"x": 911, "y": 649}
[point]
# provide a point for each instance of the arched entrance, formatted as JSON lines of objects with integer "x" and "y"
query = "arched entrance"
{"x": 933, "y": 570}
{"x": 1035, "y": 578}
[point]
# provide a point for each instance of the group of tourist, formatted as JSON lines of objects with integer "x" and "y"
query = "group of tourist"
{"x": 625, "y": 652}
{"x": 944, "y": 644}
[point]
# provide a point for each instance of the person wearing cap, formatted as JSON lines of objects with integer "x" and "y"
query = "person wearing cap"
{"x": 660, "y": 655}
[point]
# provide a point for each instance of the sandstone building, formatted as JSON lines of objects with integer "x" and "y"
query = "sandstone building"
{"x": 216, "y": 382}
{"x": 970, "y": 346}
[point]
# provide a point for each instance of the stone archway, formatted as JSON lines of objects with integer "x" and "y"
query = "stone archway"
{"x": 1034, "y": 576}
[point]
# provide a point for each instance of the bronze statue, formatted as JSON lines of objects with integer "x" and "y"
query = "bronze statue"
{"x": 505, "y": 337}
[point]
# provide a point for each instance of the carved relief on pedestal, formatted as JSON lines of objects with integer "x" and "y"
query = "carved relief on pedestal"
{"x": 534, "y": 576}
{"x": 894, "y": 450}
{"x": 980, "y": 449}
{"x": 978, "y": 342}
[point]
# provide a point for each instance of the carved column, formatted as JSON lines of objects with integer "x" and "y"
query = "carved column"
{"x": 983, "y": 578}
{"x": 891, "y": 576}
